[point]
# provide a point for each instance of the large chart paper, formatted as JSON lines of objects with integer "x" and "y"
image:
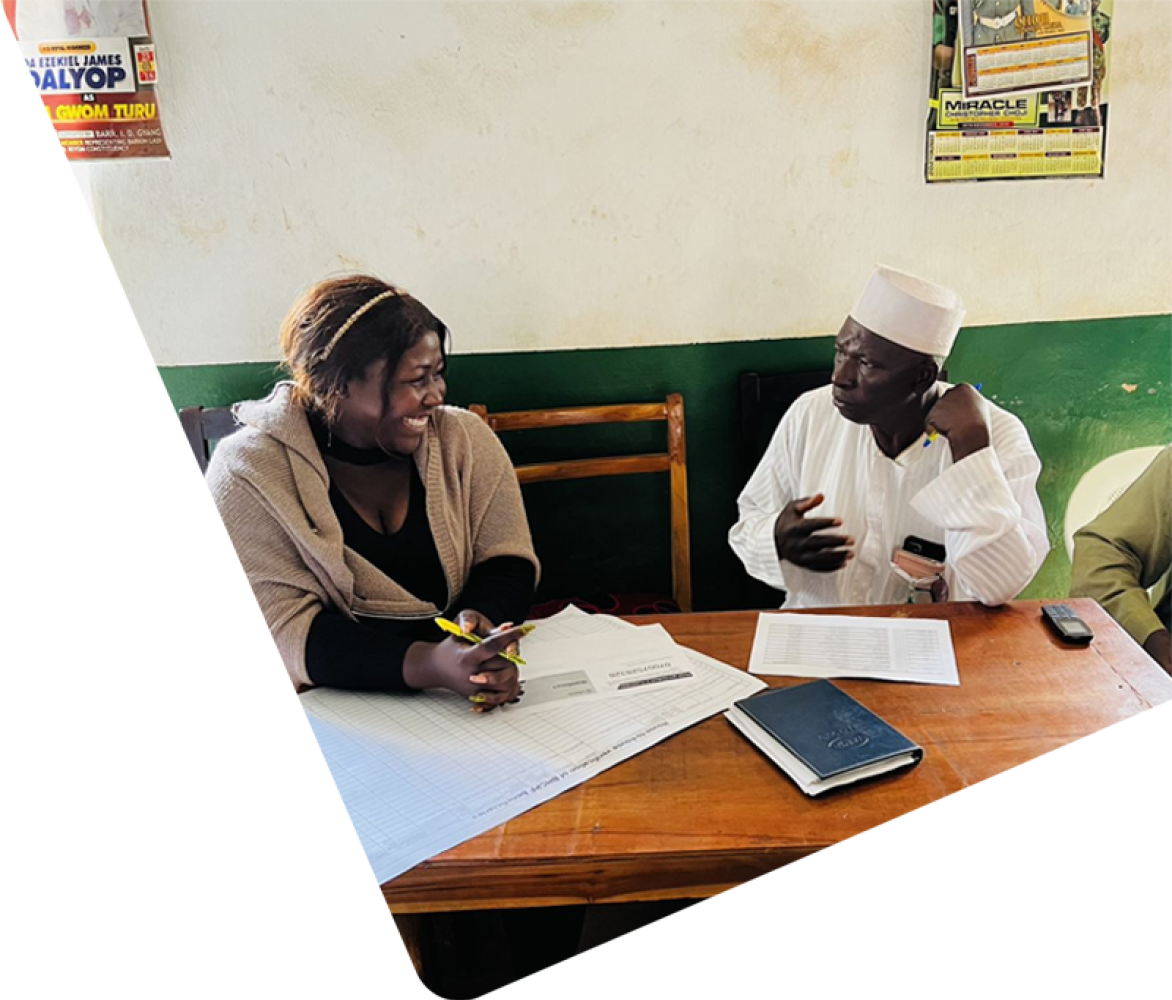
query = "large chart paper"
{"x": 420, "y": 774}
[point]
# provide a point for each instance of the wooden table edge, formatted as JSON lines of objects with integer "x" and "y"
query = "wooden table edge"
{"x": 608, "y": 879}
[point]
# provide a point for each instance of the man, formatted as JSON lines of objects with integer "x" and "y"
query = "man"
{"x": 997, "y": 22}
{"x": 1126, "y": 550}
{"x": 859, "y": 451}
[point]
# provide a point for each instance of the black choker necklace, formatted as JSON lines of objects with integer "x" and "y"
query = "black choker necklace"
{"x": 343, "y": 452}
{"x": 334, "y": 447}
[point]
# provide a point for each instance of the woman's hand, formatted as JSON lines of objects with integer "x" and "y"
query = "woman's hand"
{"x": 475, "y": 671}
{"x": 475, "y": 622}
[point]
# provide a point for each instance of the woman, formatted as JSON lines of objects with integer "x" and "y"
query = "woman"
{"x": 361, "y": 507}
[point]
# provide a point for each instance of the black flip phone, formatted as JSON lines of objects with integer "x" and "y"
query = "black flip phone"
{"x": 922, "y": 547}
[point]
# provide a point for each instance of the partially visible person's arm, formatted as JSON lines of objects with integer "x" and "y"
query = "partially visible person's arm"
{"x": 1158, "y": 646}
{"x": 1126, "y": 550}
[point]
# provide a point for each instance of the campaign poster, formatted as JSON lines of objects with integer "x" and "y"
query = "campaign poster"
{"x": 1021, "y": 131}
{"x": 94, "y": 65}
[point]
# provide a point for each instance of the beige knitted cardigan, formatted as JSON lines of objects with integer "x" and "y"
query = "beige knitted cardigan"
{"x": 272, "y": 489}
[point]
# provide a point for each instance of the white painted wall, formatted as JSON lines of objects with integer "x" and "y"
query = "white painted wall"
{"x": 588, "y": 174}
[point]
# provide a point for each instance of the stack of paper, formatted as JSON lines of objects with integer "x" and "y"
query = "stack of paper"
{"x": 579, "y": 656}
{"x": 421, "y": 773}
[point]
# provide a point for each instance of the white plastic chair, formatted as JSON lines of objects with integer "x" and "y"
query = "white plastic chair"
{"x": 1102, "y": 485}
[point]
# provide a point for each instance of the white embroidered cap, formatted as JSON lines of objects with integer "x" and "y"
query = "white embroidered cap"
{"x": 910, "y": 311}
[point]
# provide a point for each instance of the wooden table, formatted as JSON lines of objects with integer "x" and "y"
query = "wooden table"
{"x": 704, "y": 810}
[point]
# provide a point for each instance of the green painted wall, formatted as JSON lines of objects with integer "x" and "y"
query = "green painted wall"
{"x": 1064, "y": 380}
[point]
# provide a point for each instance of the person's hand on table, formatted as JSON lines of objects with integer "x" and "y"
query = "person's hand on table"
{"x": 473, "y": 621}
{"x": 1159, "y": 647}
{"x": 472, "y": 670}
{"x": 803, "y": 540}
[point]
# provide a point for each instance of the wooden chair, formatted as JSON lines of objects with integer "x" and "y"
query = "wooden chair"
{"x": 672, "y": 461}
{"x": 203, "y": 427}
{"x": 763, "y": 402}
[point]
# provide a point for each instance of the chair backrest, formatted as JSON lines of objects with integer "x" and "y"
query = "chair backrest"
{"x": 1101, "y": 486}
{"x": 203, "y": 427}
{"x": 763, "y": 401}
{"x": 672, "y": 461}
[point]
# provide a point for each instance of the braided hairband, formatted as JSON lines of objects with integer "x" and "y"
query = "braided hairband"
{"x": 354, "y": 318}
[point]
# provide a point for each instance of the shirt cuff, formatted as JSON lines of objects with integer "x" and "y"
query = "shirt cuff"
{"x": 967, "y": 493}
{"x": 1139, "y": 620}
{"x": 752, "y": 540}
{"x": 357, "y": 656}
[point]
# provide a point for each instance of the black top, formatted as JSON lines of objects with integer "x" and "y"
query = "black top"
{"x": 409, "y": 555}
{"x": 367, "y": 655}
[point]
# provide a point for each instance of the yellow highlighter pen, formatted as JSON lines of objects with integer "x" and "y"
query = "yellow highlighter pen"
{"x": 453, "y": 629}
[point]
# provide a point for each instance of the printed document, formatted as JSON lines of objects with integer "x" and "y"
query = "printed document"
{"x": 918, "y": 650}
{"x": 604, "y": 663}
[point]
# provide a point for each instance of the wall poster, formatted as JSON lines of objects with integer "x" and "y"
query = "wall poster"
{"x": 93, "y": 62}
{"x": 1018, "y": 89}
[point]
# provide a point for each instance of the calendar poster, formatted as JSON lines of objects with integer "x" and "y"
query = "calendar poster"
{"x": 1005, "y": 126}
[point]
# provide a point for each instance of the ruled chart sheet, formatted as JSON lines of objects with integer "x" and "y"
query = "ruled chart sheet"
{"x": 892, "y": 649}
{"x": 421, "y": 773}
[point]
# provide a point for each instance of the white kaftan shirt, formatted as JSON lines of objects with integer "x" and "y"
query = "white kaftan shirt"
{"x": 984, "y": 509}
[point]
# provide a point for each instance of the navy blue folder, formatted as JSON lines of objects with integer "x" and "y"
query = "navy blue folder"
{"x": 826, "y": 729}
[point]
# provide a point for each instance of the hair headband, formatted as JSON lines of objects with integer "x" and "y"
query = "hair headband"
{"x": 355, "y": 316}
